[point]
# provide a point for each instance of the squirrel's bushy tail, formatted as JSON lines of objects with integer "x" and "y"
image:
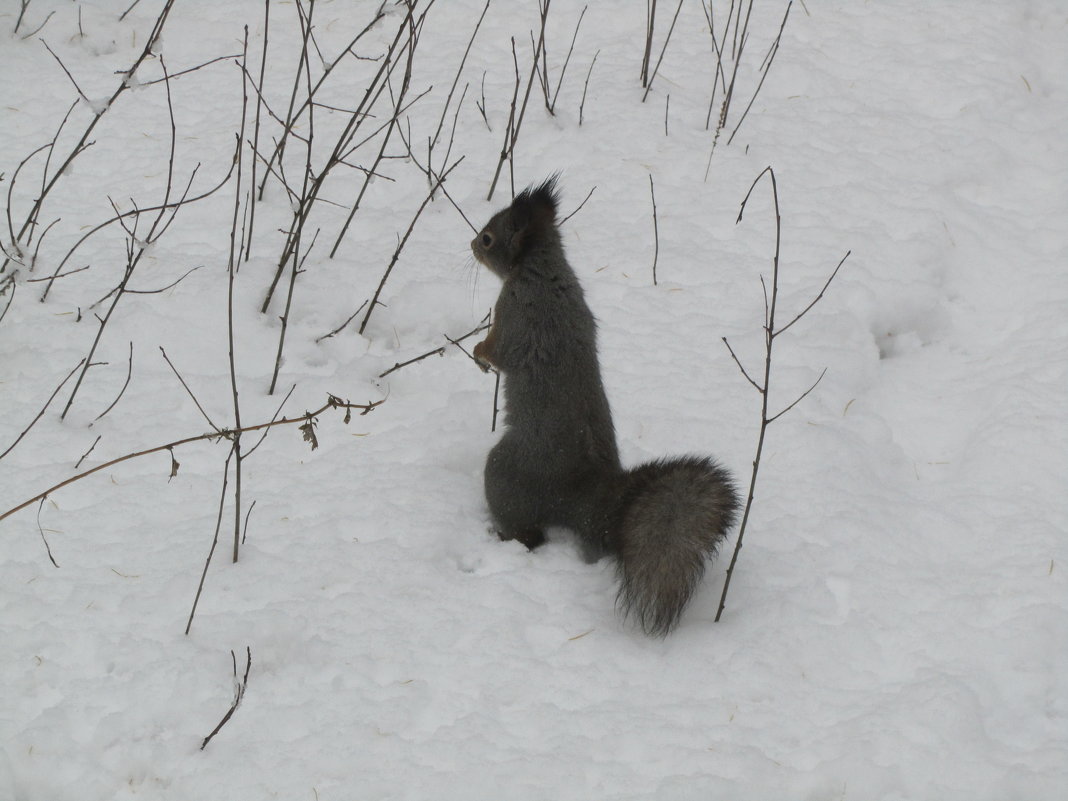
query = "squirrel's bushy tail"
{"x": 675, "y": 512}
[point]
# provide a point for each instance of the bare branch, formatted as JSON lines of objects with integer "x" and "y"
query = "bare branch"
{"x": 656, "y": 230}
{"x": 44, "y": 408}
{"x": 126, "y": 383}
{"x": 656, "y": 69}
{"x": 239, "y": 693}
{"x": 189, "y": 392}
{"x": 44, "y": 539}
{"x": 333, "y": 402}
{"x": 589, "y": 195}
{"x": 734, "y": 356}
{"x": 804, "y": 311}
{"x": 342, "y": 326}
{"x": 799, "y": 399}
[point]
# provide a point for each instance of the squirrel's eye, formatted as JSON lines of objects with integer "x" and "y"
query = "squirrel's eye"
{"x": 487, "y": 239}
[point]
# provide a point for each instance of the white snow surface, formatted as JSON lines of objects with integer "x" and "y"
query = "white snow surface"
{"x": 897, "y": 624}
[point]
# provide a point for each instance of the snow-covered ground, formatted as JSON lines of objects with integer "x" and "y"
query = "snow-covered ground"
{"x": 897, "y": 625}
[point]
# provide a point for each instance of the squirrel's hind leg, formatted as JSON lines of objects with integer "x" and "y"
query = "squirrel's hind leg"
{"x": 531, "y": 537}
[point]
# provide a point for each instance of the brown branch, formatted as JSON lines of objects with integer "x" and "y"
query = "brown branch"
{"x": 40, "y": 414}
{"x": 126, "y": 383}
{"x": 214, "y": 540}
{"x": 86, "y": 454}
{"x": 459, "y": 70}
{"x": 756, "y": 386}
{"x": 804, "y": 311}
{"x": 341, "y": 148}
{"x": 185, "y": 386}
{"x": 44, "y": 539}
{"x": 274, "y": 417}
{"x": 580, "y": 205}
{"x": 333, "y": 402}
{"x": 649, "y": 84}
{"x": 64, "y": 68}
{"x": 585, "y": 86}
{"x": 157, "y": 30}
{"x": 119, "y": 217}
{"x": 432, "y": 175}
{"x": 256, "y": 126}
{"x": 342, "y": 326}
{"x": 239, "y": 693}
{"x": 512, "y": 133}
{"x": 650, "y": 22}
{"x": 567, "y": 60}
{"x": 764, "y": 73}
{"x": 656, "y": 230}
{"x": 800, "y": 398}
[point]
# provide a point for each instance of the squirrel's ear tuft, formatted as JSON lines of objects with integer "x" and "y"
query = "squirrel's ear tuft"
{"x": 546, "y": 197}
{"x": 534, "y": 209}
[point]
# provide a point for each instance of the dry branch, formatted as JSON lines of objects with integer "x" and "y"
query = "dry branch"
{"x": 239, "y": 693}
{"x": 31, "y": 218}
{"x": 770, "y": 333}
{"x": 333, "y": 402}
{"x": 516, "y": 122}
{"x": 40, "y": 414}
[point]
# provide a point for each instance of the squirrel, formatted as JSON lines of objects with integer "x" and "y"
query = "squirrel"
{"x": 556, "y": 464}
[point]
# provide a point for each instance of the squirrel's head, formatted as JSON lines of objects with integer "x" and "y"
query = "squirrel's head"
{"x": 529, "y": 223}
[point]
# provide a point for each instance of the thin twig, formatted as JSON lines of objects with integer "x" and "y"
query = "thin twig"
{"x": 800, "y": 398}
{"x": 342, "y": 326}
{"x": 650, "y": 21}
{"x": 126, "y": 383}
{"x": 459, "y": 70}
{"x": 188, "y": 70}
{"x": 232, "y": 262}
{"x": 656, "y": 69}
{"x": 804, "y": 311}
{"x": 580, "y": 205}
{"x": 64, "y": 68}
{"x": 560, "y": 82}
{"x": 214, "y": 542}
{"x": 512, "y": 135}
{"x": 585, "y": 86}
{"x": 656, "y": 229}
{"x": 764, "y": 73}
{"x": 274, "y": 417}
{"x": 734, "y": 356}
{"x": 482, "y": 326}
{"x": 239, "y": 693}
{"x": 256, "y": 125}
{"x": 81, "y": 145}
{"x": 248, "y": 514}
{"x": 185, "y": 386}
{"x": 40, "y": 414}
{"x": 171, "y": 285}
{"x": 44, "y": 539}
{"x": 86, "y": 454}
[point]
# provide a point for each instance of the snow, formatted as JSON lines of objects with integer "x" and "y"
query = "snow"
{"x": 897, "y": 625}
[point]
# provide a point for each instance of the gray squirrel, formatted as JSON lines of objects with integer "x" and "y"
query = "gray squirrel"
{"x": 556, "y": 463}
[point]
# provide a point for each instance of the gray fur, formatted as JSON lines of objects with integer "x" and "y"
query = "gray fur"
{"x": 556, "y": 463}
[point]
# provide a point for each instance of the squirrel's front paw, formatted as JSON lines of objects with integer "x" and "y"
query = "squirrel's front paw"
{"x": 482, "y": 357}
